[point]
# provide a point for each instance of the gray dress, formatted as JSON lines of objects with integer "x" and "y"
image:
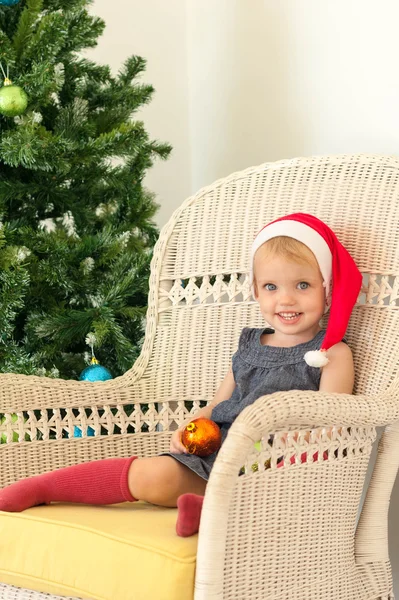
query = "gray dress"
{"x": 258, "y": 370}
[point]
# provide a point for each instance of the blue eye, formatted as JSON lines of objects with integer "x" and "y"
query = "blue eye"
{"x": 302, "y": 283}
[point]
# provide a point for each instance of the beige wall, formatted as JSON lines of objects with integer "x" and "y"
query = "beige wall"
{"x": 240, "y": 82}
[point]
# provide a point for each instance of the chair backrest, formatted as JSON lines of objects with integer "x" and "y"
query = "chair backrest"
{"x": 200, "y": 297}
{"x": 200, "y": 300}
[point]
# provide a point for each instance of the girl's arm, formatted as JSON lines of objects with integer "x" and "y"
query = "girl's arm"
{"x": 223, "y": 392}
{"x": 337, "y": 376}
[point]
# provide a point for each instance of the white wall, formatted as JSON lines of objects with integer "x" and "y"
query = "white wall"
{"x": 240, "y": 82}
{"x": 271, "y": 80}
{"x": 155, "y": 30}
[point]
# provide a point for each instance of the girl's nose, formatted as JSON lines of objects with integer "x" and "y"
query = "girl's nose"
{"x": 286, "y": 300}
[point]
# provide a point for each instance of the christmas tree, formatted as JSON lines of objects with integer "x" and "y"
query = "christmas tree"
{"x": 76, "y": 229}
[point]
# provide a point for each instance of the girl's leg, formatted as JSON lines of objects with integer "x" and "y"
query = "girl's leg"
{"x": 159, "y": 480}
{"x": 96, "y": 482}
{"x": 162, "y": 479}
{"x": 165, "y": 481}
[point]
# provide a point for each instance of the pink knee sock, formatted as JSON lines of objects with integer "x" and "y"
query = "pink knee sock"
{"x": 96, "y": 482}
{"x": 189, "y": 507}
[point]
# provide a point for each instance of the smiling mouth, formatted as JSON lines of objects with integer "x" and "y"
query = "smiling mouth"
{"x": 289, "y": 316}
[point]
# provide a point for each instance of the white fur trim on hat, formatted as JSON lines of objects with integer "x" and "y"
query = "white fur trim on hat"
{"x": 316, "y": 358}
{"x": 303, "y": 233}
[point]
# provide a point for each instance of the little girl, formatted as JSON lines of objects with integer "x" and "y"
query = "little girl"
{"x": 298, "y": 271}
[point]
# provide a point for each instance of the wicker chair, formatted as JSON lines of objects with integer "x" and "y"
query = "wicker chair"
{"x": 271, "y": 533}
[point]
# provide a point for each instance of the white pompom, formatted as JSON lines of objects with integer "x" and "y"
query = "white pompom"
{"x": 316, "y": 358}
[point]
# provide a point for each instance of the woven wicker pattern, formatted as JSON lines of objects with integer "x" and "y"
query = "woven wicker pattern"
{"x": 9, "y": 592}
{"x": 275, "y": 532}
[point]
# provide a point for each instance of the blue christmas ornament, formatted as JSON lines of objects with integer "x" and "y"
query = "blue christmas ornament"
{"x": 9, "y": 2}
{"x": 95, "y": 372}
{"x": 77, "y": 432}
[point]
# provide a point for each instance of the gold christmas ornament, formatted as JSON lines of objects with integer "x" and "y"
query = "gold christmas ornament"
{"x": 202, "y": 437}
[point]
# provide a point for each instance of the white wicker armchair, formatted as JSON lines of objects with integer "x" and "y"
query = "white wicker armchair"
{"x": 272, "y": 533}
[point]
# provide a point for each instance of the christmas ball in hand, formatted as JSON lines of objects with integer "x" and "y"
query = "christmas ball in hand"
{"x": 201, "y": 437}
{"x": 13, "y": 100}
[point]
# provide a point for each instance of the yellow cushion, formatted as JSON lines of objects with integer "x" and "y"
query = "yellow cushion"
{"x": 122, "y": 551}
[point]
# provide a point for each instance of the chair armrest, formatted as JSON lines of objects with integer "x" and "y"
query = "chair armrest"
{"x": 26, "y": 392}
{"x": 281, "y": 411}
{"x": 48, "y": 410}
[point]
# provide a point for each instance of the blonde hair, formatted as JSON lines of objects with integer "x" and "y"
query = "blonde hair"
{"x": 289, "y": 248}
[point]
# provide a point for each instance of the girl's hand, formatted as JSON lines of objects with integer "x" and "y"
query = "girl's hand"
{"x": 176, "y": 445}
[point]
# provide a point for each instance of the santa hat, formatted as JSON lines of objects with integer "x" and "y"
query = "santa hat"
{"x": 337, "y": 267}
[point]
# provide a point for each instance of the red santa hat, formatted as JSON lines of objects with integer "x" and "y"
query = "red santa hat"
{"x": 337, "y": 267}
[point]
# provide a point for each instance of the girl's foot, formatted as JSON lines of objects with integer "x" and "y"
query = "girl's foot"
{"x": 189, "y": 507}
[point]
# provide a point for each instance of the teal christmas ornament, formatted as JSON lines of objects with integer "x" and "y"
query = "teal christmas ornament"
{"x": 9, "y": 2}
{"x": 95, "y": 372}
{"x": 77, "y": 432}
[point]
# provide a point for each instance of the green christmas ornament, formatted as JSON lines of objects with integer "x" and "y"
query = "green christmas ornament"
{"x": 15, "y": 436}
{"x": 13, "y": 99}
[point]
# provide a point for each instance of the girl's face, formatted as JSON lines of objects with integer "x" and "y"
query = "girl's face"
{"x": 291, "y": 297}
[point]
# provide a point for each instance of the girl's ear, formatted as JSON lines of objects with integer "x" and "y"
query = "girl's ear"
{"x": 255, "y": 289}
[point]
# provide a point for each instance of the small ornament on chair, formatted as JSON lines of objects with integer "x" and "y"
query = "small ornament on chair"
{"x": 95, "y": 371}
